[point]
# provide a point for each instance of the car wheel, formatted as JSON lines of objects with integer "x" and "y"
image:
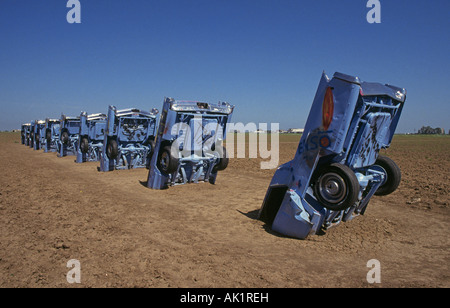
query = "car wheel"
{"x": 392, "y": 173}
{"x": 336, "y": 187}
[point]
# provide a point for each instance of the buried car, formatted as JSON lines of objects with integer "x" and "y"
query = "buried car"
{"x": 189, "y": 143}
{"x": 337, "y": 167}
{"x": 25, "y": 133}
{"x": 69, "y": 133}
{"x": 128, "y": 139}
{"x": 51, "y": 135}
{"x": 38, "y": 134}
{"x": 92, "y": 135}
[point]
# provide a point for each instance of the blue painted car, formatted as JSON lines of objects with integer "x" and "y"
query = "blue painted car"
{"x": 69, "y": 130}
{"x": 337, "y": 167}
{"x": 129, "y": 138}
{"x": 91, "y": 137}
{"x": 51, "y": 135}
{"x": 38, "y": 134}
{"x": 31, "y": 134}
{"x": 189, "y": 143}
{"x": 25, "y": 133}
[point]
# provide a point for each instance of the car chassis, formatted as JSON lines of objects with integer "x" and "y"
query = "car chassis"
{"x": 337, "y": 167}
{"x": 189, "y": 144}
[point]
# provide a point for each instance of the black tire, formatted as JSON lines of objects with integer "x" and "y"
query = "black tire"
{"x": 151, "y": 145}
{"x": 65, "y": 137}
{"x": 393, "y": 176}
{"x": 167, "y": 163}
{"x": 84, "y": 145}
{"x": 112, "y": 149}
{"x": 31, "y": 139}
{"x": 223, "y": 160}
{"x": 37, "y": 141}
{"x": 336, "y": 187}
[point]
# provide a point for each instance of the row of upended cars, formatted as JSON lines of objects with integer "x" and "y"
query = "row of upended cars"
{"x": 189, "y": 147}
{"x": 333, "y": 175}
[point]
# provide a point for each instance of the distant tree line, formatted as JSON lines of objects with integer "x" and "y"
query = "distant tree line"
{"x": 428, "y": 130}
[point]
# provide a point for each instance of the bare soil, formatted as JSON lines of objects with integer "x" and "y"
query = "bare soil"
{"x": 201, "y": 235}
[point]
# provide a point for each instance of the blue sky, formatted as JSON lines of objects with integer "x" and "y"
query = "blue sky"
{"x": 263, "y": 56}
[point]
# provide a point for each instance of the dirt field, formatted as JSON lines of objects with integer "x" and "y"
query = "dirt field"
{"x": 202, "y": 235}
